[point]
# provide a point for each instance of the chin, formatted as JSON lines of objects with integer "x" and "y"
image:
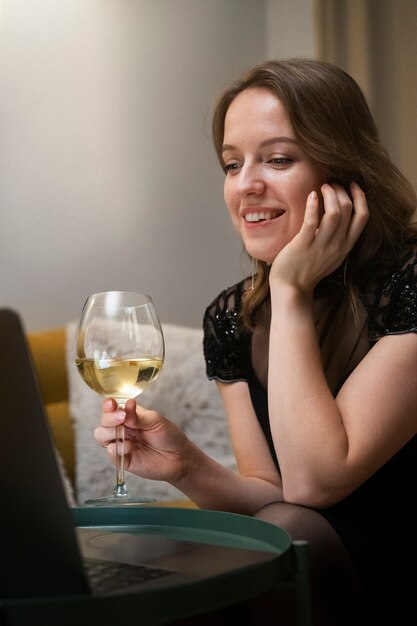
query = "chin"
{"x": 266, "y": 251}
{"x": 261, "y": 255}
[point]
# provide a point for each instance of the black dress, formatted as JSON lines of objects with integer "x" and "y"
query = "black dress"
{"x": 377, "y": 522}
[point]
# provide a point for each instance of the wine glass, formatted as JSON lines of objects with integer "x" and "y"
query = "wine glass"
{"x": 119, "y": 352}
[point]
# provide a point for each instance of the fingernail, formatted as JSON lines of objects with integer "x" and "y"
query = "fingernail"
{"x": 119, "y": 417}
{"x": 108, "y": 404}
{"x": 313, "y": 195}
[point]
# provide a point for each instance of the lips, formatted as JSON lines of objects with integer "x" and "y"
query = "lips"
{"x": 262, "y": 216}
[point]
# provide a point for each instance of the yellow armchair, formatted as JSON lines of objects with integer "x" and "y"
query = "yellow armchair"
{"x": 48, "y": 353}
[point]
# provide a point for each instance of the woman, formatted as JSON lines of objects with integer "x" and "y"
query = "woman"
{"x": 315, "y": 354}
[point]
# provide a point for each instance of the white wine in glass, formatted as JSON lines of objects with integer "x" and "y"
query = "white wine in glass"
{"x": 119, "y": 352}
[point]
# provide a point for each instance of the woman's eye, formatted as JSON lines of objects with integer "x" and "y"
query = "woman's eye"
{"x": 229, "y": 167}
{"x": 279, "y": 160}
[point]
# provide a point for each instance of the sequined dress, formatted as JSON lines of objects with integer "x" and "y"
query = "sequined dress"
{"x": 377, "y": 522}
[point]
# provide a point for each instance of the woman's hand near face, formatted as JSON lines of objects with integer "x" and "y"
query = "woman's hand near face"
{"x": 321, "y": 246}
{"x": 154, "y": 447}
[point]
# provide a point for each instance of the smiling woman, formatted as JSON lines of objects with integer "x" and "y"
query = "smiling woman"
{"x": 316, "y": 359}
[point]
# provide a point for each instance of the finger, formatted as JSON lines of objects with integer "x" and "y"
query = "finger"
{"x": 146, "y": 419}
{"x": 311, "y": 218}
{"x": 338, "y": 209}
{"x": 360, "y": 214}
{"x": 113, "y": 418}
{"x": 344, "y": 201}
{"x": 128, "y": 448}
{"x": 131, "y": 411}
{"x": 109, "y": 404}
{"x": 104, "y": 436}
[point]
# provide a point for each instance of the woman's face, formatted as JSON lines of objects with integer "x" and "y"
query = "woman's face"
{"x": 268, "y": 174}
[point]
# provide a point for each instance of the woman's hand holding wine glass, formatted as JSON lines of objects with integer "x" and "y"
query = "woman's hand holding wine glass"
{"x": 119, "y": 352}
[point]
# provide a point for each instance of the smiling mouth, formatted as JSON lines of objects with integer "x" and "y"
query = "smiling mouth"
{"x": 262, "y": 216}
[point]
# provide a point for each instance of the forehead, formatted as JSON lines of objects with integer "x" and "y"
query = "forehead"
{"x": 257, "y": 109}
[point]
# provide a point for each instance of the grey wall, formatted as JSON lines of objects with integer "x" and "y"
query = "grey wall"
{"x": 108, "y": 179}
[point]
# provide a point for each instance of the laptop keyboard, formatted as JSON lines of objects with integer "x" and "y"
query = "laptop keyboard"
{"x": 107, "y": 576}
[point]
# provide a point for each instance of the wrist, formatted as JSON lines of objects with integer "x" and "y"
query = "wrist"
{"x": 290, "y": 295}
{"x": 290, "y": 308}
{"x": 189, "y": 467}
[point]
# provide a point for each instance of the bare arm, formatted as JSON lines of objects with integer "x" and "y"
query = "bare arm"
{"x": 328, "y": 446}
{"x": 157, "y": 449}
{"x": 258, "y": 482}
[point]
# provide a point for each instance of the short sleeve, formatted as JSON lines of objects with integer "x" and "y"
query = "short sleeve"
{"x": 395, "y": 308}
{"x": 226, "y": 347}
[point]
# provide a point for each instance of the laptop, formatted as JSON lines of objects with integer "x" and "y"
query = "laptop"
{"x": 42, "y": 553}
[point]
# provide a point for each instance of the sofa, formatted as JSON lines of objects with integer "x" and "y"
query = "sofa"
{"x": 182, "y": 392}
{"x": 48, "y": 354}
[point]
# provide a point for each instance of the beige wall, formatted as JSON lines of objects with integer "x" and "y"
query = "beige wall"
{"x": 107, "y": 175}
{"x": 289, "y": 28}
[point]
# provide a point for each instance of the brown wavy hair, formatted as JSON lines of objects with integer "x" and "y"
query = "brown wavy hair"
{"x": 333, "y": 123}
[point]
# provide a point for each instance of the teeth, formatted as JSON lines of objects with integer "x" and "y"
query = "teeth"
{"x": 261, "y": 215}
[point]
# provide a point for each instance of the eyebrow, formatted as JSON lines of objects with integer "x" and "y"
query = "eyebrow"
{"x": 267, "y": 142}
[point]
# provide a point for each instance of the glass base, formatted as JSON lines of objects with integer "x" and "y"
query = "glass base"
{"x": 114, "y": 500}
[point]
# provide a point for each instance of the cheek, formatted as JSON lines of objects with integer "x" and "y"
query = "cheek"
{"x": 231, "y": 199}
{"x": 227, "y": 194}
{"x": 305, "y": 186}
{"x": 299, "y": 206}
{"x": 231, "y": 205}
{"x": 235, "y": 221}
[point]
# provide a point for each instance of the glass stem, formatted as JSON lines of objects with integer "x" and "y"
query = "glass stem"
{"x": 120, "y": 488}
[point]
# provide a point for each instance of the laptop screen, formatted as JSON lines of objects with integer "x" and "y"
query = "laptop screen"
{"x": 39, "y": 550}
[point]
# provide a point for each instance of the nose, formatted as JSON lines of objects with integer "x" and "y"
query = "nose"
{"x": 251, "y": 180}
